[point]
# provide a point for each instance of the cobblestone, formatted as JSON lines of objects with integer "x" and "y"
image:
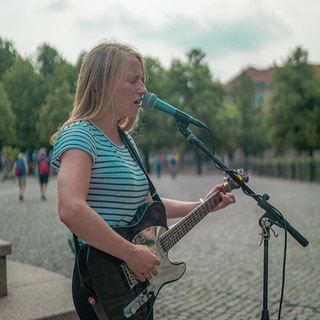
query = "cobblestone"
{"x": 224, "y": 262}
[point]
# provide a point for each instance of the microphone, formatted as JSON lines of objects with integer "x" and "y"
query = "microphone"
{"x": 150, "y": 100}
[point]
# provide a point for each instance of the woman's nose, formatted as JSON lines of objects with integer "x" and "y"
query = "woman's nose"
{"x": 142, "y": 89}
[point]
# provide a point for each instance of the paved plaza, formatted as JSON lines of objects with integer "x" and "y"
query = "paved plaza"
{"x": 222, "y": 253}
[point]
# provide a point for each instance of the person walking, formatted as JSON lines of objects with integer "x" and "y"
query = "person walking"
{"x": 20, "y": 169}
{"x": 43, "y": 172}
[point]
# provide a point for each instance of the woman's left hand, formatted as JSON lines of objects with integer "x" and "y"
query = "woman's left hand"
{"x": 227, "y": 198}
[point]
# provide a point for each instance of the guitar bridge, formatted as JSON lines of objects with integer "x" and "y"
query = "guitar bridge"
{"x": 130, "y": 278}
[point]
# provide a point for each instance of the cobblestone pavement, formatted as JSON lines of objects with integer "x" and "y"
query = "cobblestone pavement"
{"x": 224, "y": 262}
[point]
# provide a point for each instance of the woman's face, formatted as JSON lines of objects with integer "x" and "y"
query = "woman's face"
{"x": 130, "y": 91}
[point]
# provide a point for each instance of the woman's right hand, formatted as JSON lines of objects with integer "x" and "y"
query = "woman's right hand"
{"x": 141, "y": 260}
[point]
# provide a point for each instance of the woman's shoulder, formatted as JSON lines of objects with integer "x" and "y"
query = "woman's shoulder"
{"x": 78, "y": 125}
{"x": 78, "y": 128}
{"x": 78, "y": 133}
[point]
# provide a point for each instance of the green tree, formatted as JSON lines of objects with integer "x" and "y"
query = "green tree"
{"x": 188, "y": 86}
{"x": 7, "y": 119}
{"x": 8, "y": 55}
{"x": 54, "y": 112}
{"x": 24, "y": 88}
{"x": 59, "y": 84}
{"x": 228, "y": 122}
{"x": 54, "y": 69}
{"x": 294, "y": 116}
{"x": 193, "y": 90}
{"x": 47, "y": 59}
{"x": 153, "y": 135}
{"x": 252, "y": 138}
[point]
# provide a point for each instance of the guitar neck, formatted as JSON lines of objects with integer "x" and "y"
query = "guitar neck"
{"x": 179, "y": 230}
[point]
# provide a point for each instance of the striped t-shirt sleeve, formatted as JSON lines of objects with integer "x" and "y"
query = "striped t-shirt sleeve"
{"x": 75, "y": 136}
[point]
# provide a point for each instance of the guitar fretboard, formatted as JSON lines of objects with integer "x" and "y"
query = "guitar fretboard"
{"x": 179, "y": 230}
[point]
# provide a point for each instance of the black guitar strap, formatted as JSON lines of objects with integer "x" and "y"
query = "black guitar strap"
{"x": 136, "y": 156}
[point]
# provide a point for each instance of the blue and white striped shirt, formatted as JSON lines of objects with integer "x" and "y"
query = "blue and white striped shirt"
{"x": 118, "y": 186}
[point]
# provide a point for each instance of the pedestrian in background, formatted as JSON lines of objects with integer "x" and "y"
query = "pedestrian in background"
{"x": 20, "y": 169}
{"x": 43, "y": 172}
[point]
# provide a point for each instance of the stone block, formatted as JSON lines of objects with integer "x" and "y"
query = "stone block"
{"x": 5, "y": 249}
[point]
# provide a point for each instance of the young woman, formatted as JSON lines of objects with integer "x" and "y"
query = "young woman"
{"x": 100, "y": 185}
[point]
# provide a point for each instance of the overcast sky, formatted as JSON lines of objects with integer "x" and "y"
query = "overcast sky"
{"x": 234, "y": 34}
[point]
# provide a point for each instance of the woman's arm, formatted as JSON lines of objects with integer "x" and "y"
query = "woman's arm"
{"x": 74, "y": 212}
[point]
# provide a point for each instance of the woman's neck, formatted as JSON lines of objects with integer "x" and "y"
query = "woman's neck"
{"x": 111, "y": 131}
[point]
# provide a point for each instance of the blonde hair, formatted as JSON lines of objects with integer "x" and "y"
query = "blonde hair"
{"x": 96, "y": 84}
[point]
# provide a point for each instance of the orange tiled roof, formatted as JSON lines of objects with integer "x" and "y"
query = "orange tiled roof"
{"x": 261, "y": 75}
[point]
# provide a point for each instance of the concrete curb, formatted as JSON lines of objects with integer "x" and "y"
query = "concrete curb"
{"x": 36, "y": 294}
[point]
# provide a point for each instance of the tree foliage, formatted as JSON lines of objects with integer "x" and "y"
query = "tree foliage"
{"x": 23, "y": 86}
{"x": 8, "y": 55}
{"x": 54, "y": 112}
{"x": 155, "y": 137}
{"x": 28, "y": 87}
{"x": 294, "y": 114}
{"x": 36, "y": 96}
{"x": 252, "y": 138}
{"x": 7, "y": 119}
{"x": 193, "y": 90}
{"x": 47, "y": 59}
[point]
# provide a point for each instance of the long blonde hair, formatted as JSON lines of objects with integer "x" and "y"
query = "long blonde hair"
{"x": 96, "y": 83}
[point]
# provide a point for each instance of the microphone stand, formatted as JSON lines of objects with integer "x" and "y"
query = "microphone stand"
{"x": 271, "y": 215}
{"x": 266, "y": 225}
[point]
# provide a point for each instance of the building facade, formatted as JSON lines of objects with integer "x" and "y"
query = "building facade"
{"x": 262, "y": 80}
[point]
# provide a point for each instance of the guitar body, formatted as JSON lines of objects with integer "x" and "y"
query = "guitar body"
{"x": 120, "y": 292}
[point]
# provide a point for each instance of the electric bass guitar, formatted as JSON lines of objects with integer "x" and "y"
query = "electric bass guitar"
{"x": 120, "y": 292}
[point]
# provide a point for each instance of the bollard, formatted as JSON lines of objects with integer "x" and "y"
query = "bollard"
{"x": 5, "y": 249}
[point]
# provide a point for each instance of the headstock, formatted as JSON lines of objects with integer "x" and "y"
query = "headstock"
{"x": 241, "y": 175}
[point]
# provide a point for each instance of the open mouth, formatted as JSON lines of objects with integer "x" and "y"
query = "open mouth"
{"x": 138, "y": 102}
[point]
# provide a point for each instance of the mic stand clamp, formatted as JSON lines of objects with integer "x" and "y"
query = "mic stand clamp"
{"x": 266, "y": 226}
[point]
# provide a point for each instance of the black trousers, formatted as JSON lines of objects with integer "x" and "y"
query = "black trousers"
{"x": 80, "y": 298}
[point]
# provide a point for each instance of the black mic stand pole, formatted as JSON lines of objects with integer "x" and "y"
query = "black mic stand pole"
{"x": 266, "y": 236}
{"x": 271, "y": 215}
{"x": 266, "y": 226}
